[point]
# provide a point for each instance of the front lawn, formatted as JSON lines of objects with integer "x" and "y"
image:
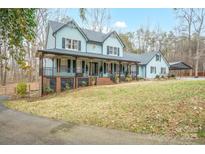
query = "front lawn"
{"x": 173, "y": 108}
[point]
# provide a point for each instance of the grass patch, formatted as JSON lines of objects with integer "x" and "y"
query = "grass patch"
{"x": 173, "y": 108}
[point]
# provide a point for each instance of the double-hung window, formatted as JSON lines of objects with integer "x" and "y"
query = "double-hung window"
{"x": 153, "y": 70}
{"x": 158, "y": 57}
{"x": 163, "y": 70}
{"x": 69, "y": 43}
{"x": 115, "y": 51}
{"x": 75, "y": 45}
{"x": 112, "y": 50}
{"x": 72, "y": 44}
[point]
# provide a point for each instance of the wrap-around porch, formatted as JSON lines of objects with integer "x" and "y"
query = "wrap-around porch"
{"x": 61, "y": 72}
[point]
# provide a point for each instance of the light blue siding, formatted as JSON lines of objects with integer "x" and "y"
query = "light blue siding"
{"x": 71, "y": 33}
{"x": 158, "y": 65}
{"x": 94, "y": 48}
{"x": 50, "y": 40}
{"x": 141, "y": 71}
{"x": 112, "y": 41}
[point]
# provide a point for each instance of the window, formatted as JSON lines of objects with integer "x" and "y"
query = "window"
{"x": 163, "y": 70}
{"x": 153, "y": 70}
{"x": 69, "y": 43}
{"x": 63, "y": 65}
{"x": 72, "y": 44}
{"x": 69, "y": 66}
{"x": 75, "y": 44}
{"x": 115, "y": 51}
{"x": 112, "y": 50}
{"x": 158, "y": 57}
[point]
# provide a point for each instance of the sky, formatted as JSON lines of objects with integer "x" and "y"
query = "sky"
{"x": 130, "y": 19}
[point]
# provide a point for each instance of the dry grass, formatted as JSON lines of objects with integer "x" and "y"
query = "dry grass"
{"x": 173, "y": 108}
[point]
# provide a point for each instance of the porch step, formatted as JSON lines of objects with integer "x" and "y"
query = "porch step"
{"x": 104, "y": 81}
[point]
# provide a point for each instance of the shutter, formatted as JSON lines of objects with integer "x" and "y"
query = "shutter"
{"x": 63, "y": 43}
{"x": 118, "y": 51}
{"x": 107, "y": 50}
{"x": 79, "y": 45}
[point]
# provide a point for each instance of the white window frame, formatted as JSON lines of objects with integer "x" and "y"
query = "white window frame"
{"x": 158, "y": 57}
{"x": 163, "y": 70}
{"x": 153, "y": 69}
{"x": 113, "y": 51}
{"x": 72, "y": 44}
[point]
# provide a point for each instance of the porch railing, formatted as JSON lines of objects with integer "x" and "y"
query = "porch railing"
{"x": 53, "y": 71}
{"x": 65, "y": 71}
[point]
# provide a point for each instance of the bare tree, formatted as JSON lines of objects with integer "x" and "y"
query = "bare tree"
{"x": 96, "y": 19}
{"x": 199, "y": 27}
{"x": 186, "y": 16}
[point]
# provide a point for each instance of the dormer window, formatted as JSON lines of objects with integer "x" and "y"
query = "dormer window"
{"x": 71, "y": 44}
{"x": 113, "y": 51}
{"x": 158, "y": 57}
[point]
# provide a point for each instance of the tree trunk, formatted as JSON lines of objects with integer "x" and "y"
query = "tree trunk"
{"x": 5, "y": 75}
{"x": 190, "y": 52}
{"x": 1, "y": 69}
{"x": 197, "y": 58}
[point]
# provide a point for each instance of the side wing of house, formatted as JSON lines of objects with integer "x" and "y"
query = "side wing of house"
{"x": 157, "y": 66}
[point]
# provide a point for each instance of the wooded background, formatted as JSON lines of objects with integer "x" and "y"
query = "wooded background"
{"x": 18, "y": 62}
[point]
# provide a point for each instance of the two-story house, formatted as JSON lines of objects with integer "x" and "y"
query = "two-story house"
{"x": 74, "y": 56}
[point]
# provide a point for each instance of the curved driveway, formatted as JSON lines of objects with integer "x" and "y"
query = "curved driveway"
{"x": 22, "y": 128}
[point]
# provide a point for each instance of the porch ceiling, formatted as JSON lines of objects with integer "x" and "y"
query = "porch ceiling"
{"x": 85, "y": 54}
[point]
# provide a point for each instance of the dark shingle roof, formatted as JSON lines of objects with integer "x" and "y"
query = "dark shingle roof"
{"x": 142, "y": 58}
{"x": 179, "y": 66}
{"x": 55, "y": 25}
{"x": 88, "y": 55}
{"x": 94, "y": 36}
{"x": 90, "y": 34}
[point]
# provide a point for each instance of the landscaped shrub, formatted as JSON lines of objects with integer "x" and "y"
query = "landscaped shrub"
{"x": 171, "y": 76}
{"x": 67, "y": 86}
{"x": 48, "y": 90}
{"x": 139, "y": 78}
{"x": 116, "y": 78}
{"x": 93, "y": 81}
{"x": 157, "y": 77}
{"x": 128, "y": 78}
{"x": 21, "y": 89}
{"x": 84, "y": 83}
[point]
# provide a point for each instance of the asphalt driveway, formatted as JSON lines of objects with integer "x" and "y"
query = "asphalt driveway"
{"x": 22, "y": 128}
